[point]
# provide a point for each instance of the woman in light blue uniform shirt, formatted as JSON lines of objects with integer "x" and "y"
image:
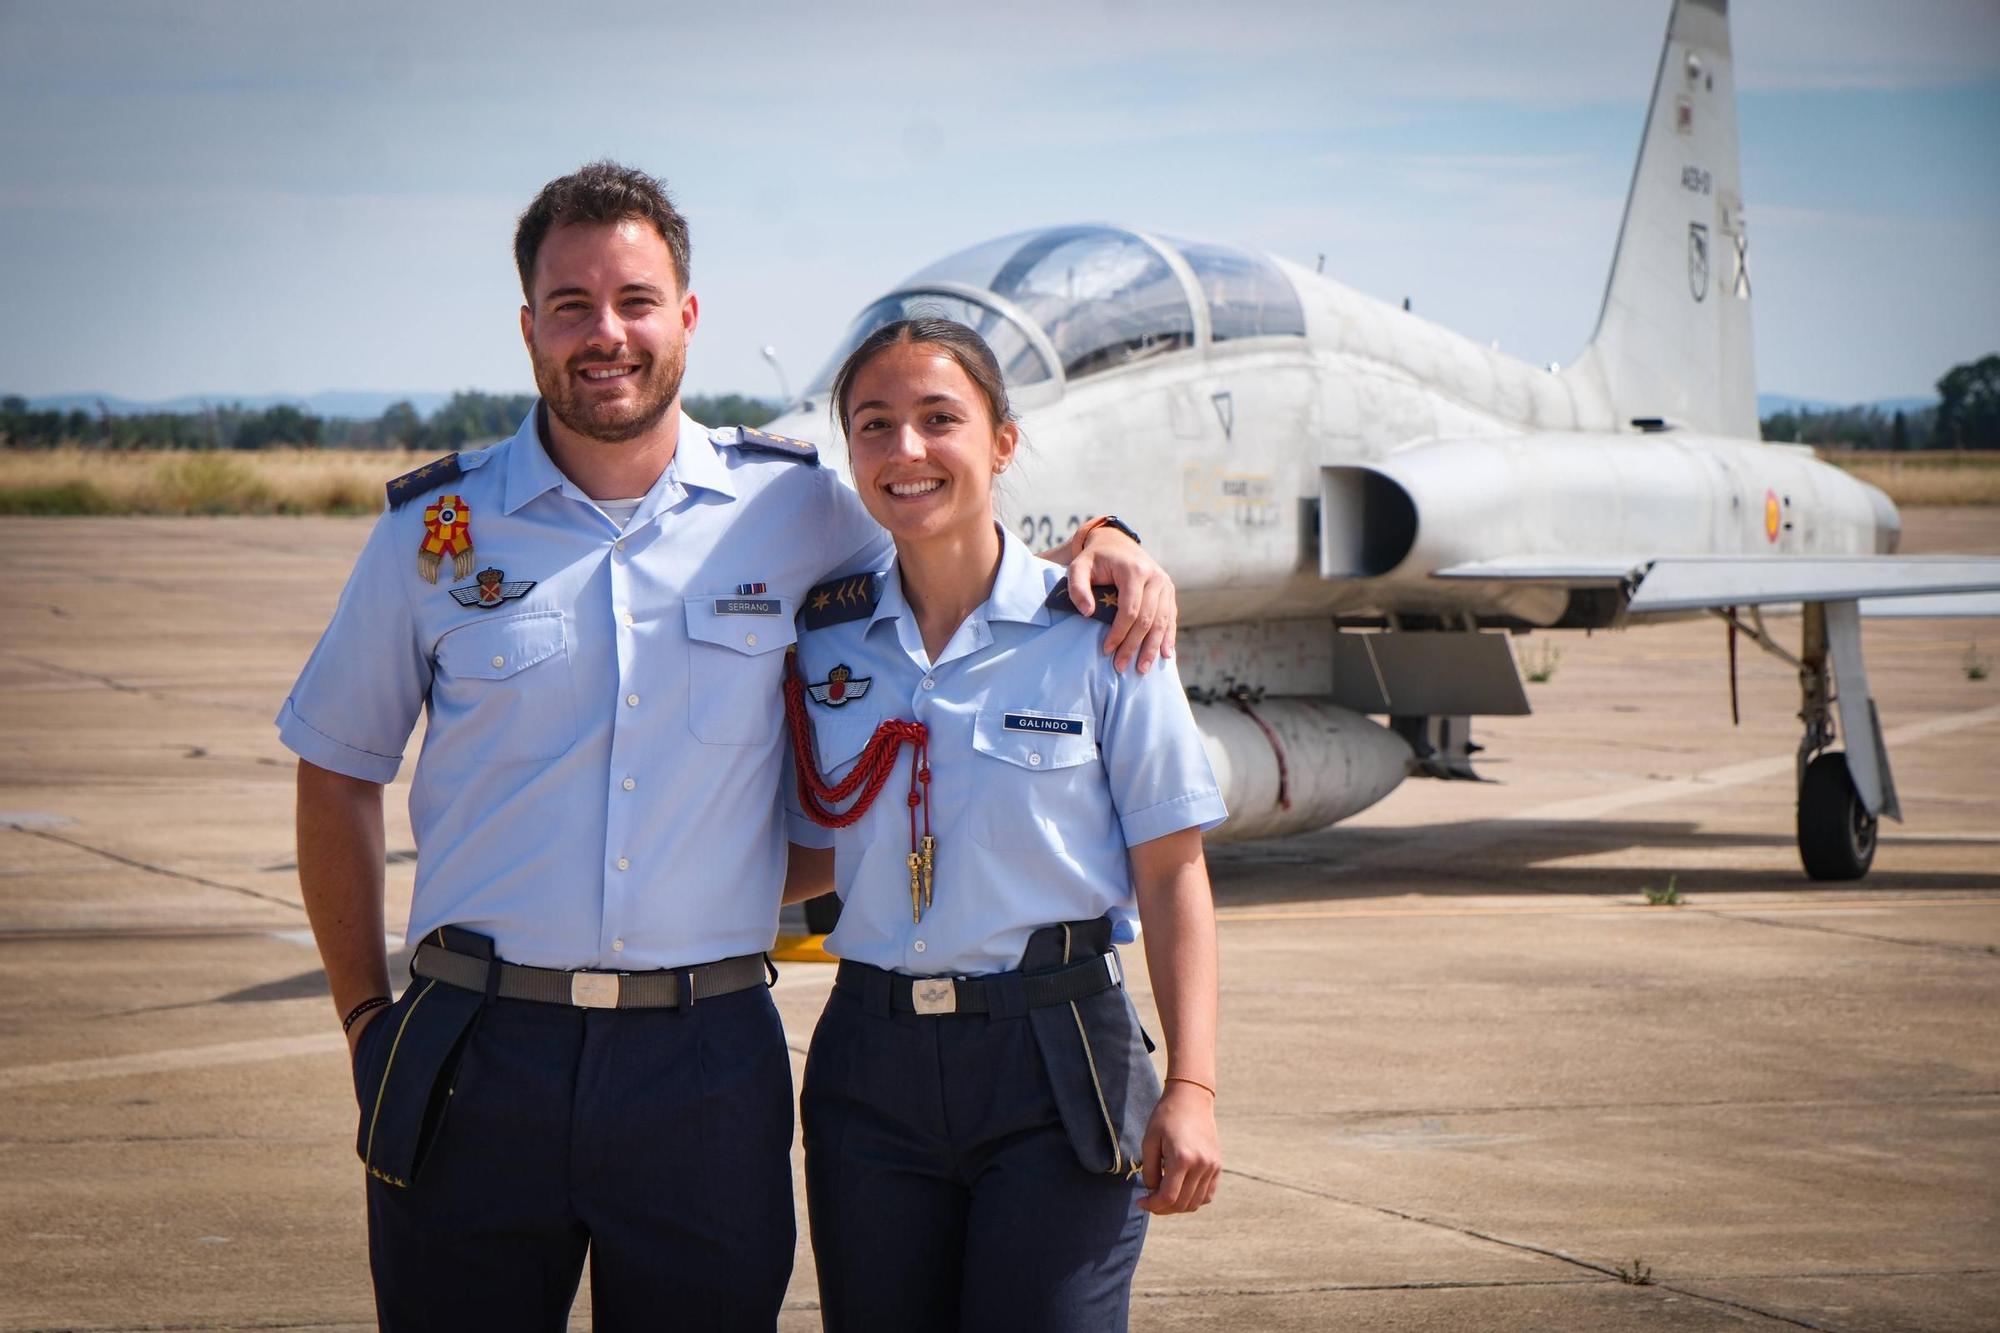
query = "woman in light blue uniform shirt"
{"x": 985, "y": 1134}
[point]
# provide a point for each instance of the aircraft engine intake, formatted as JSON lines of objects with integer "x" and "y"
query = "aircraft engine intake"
{"x": 1369, "y": 522}
{"x": 1291, "y": 765}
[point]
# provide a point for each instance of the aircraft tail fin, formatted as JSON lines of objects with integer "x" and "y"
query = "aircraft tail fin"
{"x": 1673, "y": 337}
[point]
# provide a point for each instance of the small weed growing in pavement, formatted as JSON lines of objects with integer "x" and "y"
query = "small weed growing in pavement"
{"x": 1639, "y": 1274}
{"x": 1542, "y": 664}
{"x": 1667, "y": 897}
{"x": 1976, "y": 666}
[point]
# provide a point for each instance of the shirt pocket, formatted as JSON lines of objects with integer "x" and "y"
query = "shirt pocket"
{"x": 839, "y": 737}
{"x": 736, "y": 667}
{"x": 507, "y": 688}
{"x": 1046, "y": 753}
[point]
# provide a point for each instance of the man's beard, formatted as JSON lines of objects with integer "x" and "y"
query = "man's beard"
{"x": 611, "y": 421}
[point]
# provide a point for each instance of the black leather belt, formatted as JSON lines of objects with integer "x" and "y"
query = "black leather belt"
{"x": 997, "y": 993}
{"x": 670, "y": 989}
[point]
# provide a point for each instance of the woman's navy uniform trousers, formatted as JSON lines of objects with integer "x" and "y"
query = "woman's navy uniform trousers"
{"x": 944, "y": 1189}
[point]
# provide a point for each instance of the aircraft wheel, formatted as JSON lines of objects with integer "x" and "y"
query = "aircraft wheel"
{"x": 823, "y": 913}
{"x": 1836, "y": 832}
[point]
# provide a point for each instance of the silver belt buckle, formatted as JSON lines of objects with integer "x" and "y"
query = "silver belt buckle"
{"x": 934, "y": 995}
{"x": 594, "y": 990}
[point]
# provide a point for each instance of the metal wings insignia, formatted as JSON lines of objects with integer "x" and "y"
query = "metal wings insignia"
{"x": 840, "y": 686}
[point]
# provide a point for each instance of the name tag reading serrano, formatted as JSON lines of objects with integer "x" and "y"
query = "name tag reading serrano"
{"x": 748, "y": 606}
{"x": 1055, "y": 726}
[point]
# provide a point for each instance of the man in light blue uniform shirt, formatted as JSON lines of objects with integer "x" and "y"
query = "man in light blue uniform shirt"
{"x": 594, "y": 616}
{"x": 546, "y": 818}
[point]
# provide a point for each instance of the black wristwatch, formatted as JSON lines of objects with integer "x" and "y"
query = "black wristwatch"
{"x": 1108, "y": 521}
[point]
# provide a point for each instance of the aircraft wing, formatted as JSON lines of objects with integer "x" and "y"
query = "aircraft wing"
{"x": 1944, "y": 606}
{"x": 1906, "y": 587}
{"x": 1687, "y": 583}
{"x": 1586, "y": 571}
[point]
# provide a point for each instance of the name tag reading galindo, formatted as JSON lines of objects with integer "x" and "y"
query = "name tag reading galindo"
{"x": 748, "y": 606}
{"x": 1054, "y": 726}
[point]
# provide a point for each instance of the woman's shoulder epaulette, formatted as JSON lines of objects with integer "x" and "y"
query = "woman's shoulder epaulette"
{"x": 849, "y": 597}
{"x": 1059, "y": 604}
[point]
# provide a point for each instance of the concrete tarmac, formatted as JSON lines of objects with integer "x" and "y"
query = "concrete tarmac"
{"x": 1471, "y": 1080}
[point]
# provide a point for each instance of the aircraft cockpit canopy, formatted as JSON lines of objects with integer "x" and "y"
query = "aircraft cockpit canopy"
{"x": 1090, "y": 298}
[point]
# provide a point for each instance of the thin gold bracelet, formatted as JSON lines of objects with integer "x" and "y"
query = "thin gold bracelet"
{"x": 1183, "y": 1078}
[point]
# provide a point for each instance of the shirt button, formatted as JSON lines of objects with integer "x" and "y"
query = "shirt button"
{"x": 618, "y": 946}
{"x": 1035, "y": 759}
{"x": 498, "y": 660}
{"x": 918, "y": 946}
{"x": 631, "y": 701}
{"x": 618, "y": 545}
{"x": 750, "y": 639}
{"x": 623, "y": 864}
{"x": 929, "y": 684}
{"x": 625, "y": 619}
{"x": 628, "y": 784}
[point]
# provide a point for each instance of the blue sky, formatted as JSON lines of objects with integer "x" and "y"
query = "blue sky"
{"x": 257, "y": 196}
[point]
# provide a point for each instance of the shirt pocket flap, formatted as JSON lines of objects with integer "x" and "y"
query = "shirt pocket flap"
{"x": 749, "y": 625}
{"x": 497, "y": 649}
{"x": 1035, "y": 739}
{"x": 840, "y": 737}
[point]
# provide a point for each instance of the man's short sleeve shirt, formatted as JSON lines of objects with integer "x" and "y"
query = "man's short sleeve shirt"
{"x": 598, "y": 780}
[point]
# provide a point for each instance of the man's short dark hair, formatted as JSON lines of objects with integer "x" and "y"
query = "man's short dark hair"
{"x": 601, "y": 192}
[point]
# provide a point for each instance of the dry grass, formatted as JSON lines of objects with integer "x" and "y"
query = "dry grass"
{"x": 149, "y": 481}
{"x": 340, "y": 481}
{"x": 1971, "y": 478}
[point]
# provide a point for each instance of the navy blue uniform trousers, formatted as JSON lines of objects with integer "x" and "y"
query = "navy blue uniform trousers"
{"x": 657, "y": 1141}
{"x": 943, "y": 1190}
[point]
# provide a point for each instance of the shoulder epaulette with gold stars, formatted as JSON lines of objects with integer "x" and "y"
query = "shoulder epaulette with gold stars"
{"x": 426, "y": 478}
{"x": 1059, "y": 603}
{"x": 842, "y": 599}
{"x": 763, "y": 442}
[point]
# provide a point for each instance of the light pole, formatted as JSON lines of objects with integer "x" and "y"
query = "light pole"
{"x": 784, "y": 389}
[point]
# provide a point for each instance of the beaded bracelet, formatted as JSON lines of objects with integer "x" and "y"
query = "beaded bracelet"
{"x": 368, "y": 1005}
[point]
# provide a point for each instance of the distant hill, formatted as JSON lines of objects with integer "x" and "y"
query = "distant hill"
{"x": 1767, "y": 403}
{"x": 367, "y": 404}
{"x": 353, "y": 404}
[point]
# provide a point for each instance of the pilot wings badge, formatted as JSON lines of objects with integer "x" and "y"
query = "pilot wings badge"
{"x": 840, "y": 686}
{"x": 491, "y": 589}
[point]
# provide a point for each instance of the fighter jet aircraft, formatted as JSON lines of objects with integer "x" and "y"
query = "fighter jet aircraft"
{"x": 1362, "y": 508}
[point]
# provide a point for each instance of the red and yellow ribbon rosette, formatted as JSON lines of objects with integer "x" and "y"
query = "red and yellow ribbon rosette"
{"x": 447, "y": 532}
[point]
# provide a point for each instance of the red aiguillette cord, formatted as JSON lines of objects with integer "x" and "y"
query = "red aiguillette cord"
{"x": 870, "y": 772}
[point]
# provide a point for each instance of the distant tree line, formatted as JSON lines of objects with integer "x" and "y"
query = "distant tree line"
{"x": 469, "y": 420}
{"x": 1967, "y": 417}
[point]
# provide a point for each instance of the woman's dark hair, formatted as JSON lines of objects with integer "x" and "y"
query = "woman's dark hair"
{"x": 955, "y": 340}
{"x": 600, "y": 192}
